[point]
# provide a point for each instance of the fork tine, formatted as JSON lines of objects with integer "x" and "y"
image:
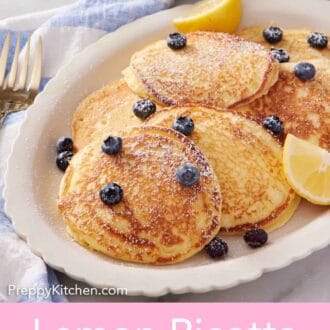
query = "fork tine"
{"x": 36, "y": 70}
{"x": 24, "y": 68}
{"x": 14, "y": 66}
{"x": 3, "y": 58}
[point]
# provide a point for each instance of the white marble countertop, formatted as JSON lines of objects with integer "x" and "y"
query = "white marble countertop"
{"x": 304, "y": 281}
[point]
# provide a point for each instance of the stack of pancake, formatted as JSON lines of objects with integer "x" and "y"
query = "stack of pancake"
{"x": 227, "y": 85}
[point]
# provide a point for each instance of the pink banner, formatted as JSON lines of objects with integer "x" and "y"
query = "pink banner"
{"x": 165, "y": 316}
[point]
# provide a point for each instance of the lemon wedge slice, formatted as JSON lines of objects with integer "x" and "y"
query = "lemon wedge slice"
{"x": 212, "y": 15}
{"x": 307, "y": 168}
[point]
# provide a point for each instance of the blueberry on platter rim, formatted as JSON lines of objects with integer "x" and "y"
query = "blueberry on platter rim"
{"x": 176, "y": 40}
{"x": 280, "y": 54}
{"x": 144, "y": 108}
{"x": 64, "y": 143}
{"x": 305, "y": 71}
{"x": 63, "y": 160}
{"x": 184, "y": 125}
{"x": 217, "y": 248}
{"x": 273, "y": 124}
{"x": 112, "y": 145}
{"x": 256, "y": 238}
{"x": 111, "y": 194}
{"x": 273, "y": 34}
{"x": 187, "y": 175}
{"x": 318, "y": 40}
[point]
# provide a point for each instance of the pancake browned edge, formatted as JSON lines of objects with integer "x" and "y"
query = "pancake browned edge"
{"x": 302, "y": 106}
{"x": 215, "y": 69}
{"x": 158, "y": 220}
{"x": 248, "y": 163}
{"x": 105, "y": 111}
{"x": 294, "y": 42}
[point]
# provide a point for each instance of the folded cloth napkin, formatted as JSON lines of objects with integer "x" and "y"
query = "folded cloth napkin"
{"x": 65, "y": 31}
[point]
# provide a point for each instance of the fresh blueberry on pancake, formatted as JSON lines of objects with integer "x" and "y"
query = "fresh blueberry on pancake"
{"x": 111, "y": 194}
{"x": 144, "y": 108}
{"x": 318, "y": 40}
{"x": 112, "y": 145}
{"x": 176, "y": 41}
{"x": 280, "y": 54}
{"x": 273, "y": 34}
{"x": 217, "y": 248}
{"x": 256, "y": 238}
{"x": 273, "y": 124}
{"x": 63, "y": 160}
{"x": 305, "y": 71}
{"x": 64, "y": 144}
{"x": 188, "y": 175}
{"x": 184, "y": 125}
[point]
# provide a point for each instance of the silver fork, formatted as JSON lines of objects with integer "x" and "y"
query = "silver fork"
{"x": 15, "y": 92}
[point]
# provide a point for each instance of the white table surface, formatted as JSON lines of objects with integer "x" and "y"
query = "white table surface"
{"x": 304, "y": 281}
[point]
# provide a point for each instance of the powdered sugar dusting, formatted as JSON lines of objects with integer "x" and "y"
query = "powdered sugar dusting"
{"x": 159, "y": 220}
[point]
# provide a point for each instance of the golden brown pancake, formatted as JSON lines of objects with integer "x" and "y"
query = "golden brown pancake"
{"x": 294, "y": 42}
{"x": 304, "y": 107}
{"x": 248, "y": 163}
{"x": 107, "y": 110}
{"x": 158, "y": 221}
{"x": 215, "y": 69}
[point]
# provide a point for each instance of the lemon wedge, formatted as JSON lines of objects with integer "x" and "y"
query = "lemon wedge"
{"x": 212, "y": 15}
{"x": 307, "y": 168}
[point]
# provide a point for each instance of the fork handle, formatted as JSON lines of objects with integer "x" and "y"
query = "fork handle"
{"x": 3, "y": 113}
{"x": 8, "y": 108}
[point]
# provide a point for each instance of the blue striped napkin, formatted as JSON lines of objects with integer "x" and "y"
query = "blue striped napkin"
{"x": 65, "y": 32}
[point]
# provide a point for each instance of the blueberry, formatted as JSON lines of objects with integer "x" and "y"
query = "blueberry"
{"x": 256, "y": 238}
{"x": 144, "y": 108}
{"x": 280, "y": 54}
{"x": 217, "y": 248}
{"x": 111, "y": 194}
{"x": 63, "y": 160}
{"x": 112, "y": 145}
{"x": 274, "y": 124}
{"x": 176, "y": 40}
{"x": 318, "y": 40}
{"x": 273, "y": 34}
{"x": 184, "y": 125}
{"x": 305, "y": 71}
{"x": 64, "y": 144}
{"x": 188, "y": 175}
